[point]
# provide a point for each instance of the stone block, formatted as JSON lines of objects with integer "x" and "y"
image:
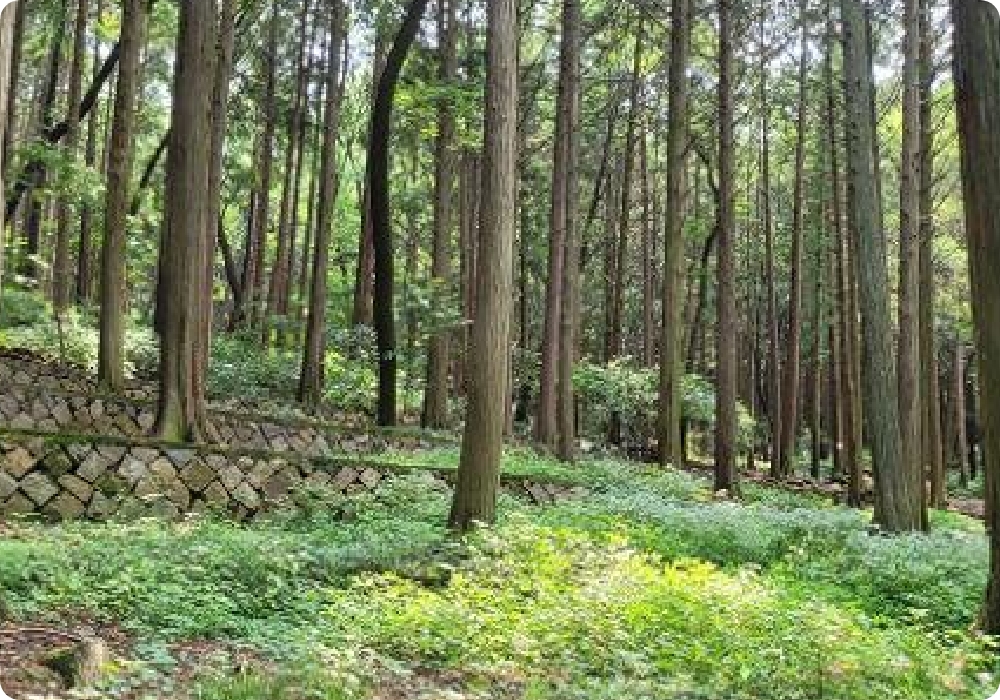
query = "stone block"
{"x": 197, "y": 475}
{"x": 8, "y": 485}
{"x": 246, "y": 496}
{"x": 18, "y": 462}
{"x": 76, "y": 486}
{"x": 65, "y": 506}
{"x": 39, "y": 488}
{"x": 216, "y": 496}
{"x": 18, "y": 504}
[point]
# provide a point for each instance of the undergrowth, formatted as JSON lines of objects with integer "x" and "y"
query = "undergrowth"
{"x": 645, "y": 589}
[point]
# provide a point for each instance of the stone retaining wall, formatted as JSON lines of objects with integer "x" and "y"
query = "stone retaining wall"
{"x": 100, "y": 479}
{"x": 47, "y": 410}
{"x": 20, "y": 369}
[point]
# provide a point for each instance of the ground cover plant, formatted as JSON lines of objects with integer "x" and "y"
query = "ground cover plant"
{"x": 646, "y": 588}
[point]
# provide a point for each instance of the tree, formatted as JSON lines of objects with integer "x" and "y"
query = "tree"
{"x": 181, "y": 413}
{"x": 378, "y": 153}
{"x": 62, "y": 276}
{"x": 313, "y": 362}
{"x": 725, "y": 336}
{"x": 546, "y": 419}
{"x": 671, "y": 449}
{"x": 898, "y": 508}
{"x": 793, "y": 356}
{"x": 568, "y": 117}
{"x": 479, "y": 466}
{"x": 435, "y": 412}
{"x": 977, "y": 96}
{"x": 909, "y": 253}
{"x": 930, "y": 401}
{"x": 7, "y": 17}
{"x": 111, "y": 352}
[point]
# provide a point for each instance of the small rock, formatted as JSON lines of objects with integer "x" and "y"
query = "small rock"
{"x": 370, "y": 478}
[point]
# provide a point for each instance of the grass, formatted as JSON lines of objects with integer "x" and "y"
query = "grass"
{"x": 646, "y": 589}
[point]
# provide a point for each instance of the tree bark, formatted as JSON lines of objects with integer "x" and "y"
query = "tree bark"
{"x": 671, "y": 449}
{"x": 15, "y": 40}
{"x": 479, "y": 466}
{"x": 977, "y": 94}
{"x": 111, "y": 351}
{"x": 793, "y": 356}
{"x": 909, "y": 253}
{"x": 7, "y": 22}
{"x": 899, "y": 507}
{"x": 278, "y": 289}
{"x": 253, "y": 289}
{"x": 569, "y": 118}
{"x": 850, "y": 420}
{"x": 383, "y": 307}
{"x": 774, "y": 361}
{"x": 62, "y": 276}
{"x": 181, "y": 413}
{"x": 213, "y": 216}
{"x": 725, "y": 335}
{"x": 435, "y": 409}
{"x": 933, "y": 457}
{"x": 85, "y": 263}
{"x": 313, "y": 362}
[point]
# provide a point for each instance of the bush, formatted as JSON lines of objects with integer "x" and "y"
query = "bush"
{"x": 632, "y": 392}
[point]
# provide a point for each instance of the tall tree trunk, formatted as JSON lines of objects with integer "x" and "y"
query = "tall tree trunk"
{"x": 181, "y": 411}
{"x": 365, "y": 272}
{"x": 546, "y": 420}
{"x": 958, "y": 391}
{"x": 84, "y": 267}
{"x": 213, "y": 216}
{"x": 909, "y": 252}
{"x": 849, "y": 389}
{"x": 816, "y": 364}
{"x": 435, "y": 410}
{"x": 899, "y": 506}
{"x": 648, "y": 261}
{"x": 313, "y": 361}
{"x": 383, "y": 306}
{"x": 278, "y": 289}
{"x": 569, "y": 117}
{"x": 479, "y": 466}
{"x": 310, "y": 224}
{"x": 34, "y": 218}
{"x": 977, "y": 93}
{"x": 111, "y": 351}
{"x": 7, "y": 22}
{"x": 253, "y": 280}
{"x": 62, "y": 276}
{"x": 792, "y": 368}
{"x": 14, "y": 39}
{"x": 671, "y": 448}
{"x": 725, "y": 334}
{"x": 774, "y": 361}
{"x": 933, "y": 457}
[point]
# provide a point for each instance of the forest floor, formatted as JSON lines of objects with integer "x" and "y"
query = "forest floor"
{"x": 647, "y": 588}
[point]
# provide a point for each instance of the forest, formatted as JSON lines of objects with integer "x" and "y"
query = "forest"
{"x": 500, "y": 349}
